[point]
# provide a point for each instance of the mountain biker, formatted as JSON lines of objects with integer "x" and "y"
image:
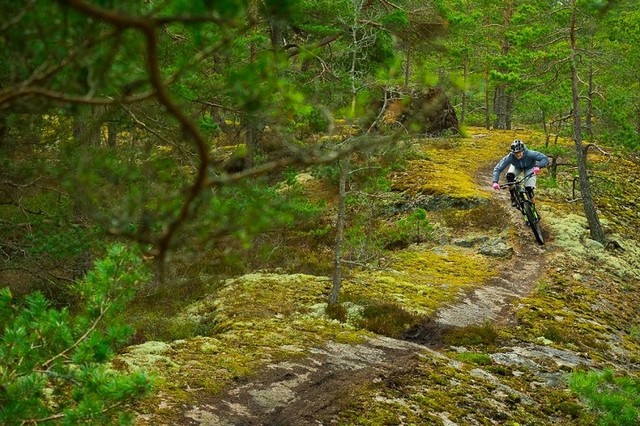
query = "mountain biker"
{"x": 520, "y": 160}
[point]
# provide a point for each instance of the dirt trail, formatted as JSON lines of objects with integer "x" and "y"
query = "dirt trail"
{"x": 308, "y": 391}
{"x": 311, "y": 391}
{"x": 492, "y": 301}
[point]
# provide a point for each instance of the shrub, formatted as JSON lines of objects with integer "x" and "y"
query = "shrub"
{"x": 54, "y": 363}
{"x": 337, "y": 312}
{"x": 412, "y": 229}
{"x": 615, "y": 398}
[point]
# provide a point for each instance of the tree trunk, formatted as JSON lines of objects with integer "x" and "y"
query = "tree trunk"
{"x": 352, "y": 73}
{"x": 112, "y": 134}
{"x": 465, "y": 76}
{"x": 251, "y": 140}
{"x": 545, "y": 128}
{"x": 86, "y": 128}
{"x": 588, "y": 122}
{"x": 501, "y": 99}
{"x": 487, "y": 97}
{"x": 487, "y": 85}
{"x": 501, "y": 107}
{"x": 276, "y": 27}
{"x": 3, "y": 130}
{"x": 553, "y": 167}
{"x": 340, "y": 224}
{"x": 249, "y": 122}
{"x": 595, "y": 228}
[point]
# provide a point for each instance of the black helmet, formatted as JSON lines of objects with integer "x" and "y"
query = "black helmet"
{"x": 517, "y": 146}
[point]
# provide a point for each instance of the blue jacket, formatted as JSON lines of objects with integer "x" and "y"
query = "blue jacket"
{"x": 529, "y": 160}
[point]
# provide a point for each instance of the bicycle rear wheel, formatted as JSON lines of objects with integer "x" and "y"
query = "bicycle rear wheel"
{"x": 534, "y": 221}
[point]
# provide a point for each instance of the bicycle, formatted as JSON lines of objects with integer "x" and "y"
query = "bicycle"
{"x": 526, "y": 206}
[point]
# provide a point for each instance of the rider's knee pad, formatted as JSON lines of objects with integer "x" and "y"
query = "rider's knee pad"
{"x": 511, "y": 177}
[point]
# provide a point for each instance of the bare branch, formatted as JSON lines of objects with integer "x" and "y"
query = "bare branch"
{"x": 597, "y": 148}
{"x": 8, "y": 95}
{"x": 46, "y": 365}
{"x": 219, "y": 106}
{"x": 325, "y": 41}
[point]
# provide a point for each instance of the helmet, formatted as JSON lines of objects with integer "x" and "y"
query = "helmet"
{"x": 517, "y": 146}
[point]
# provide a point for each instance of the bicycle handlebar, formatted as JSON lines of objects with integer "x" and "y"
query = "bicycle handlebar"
{"x": 517, "y": 181}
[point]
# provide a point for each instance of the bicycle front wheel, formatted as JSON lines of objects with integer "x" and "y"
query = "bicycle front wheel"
{"x": 534, "y": 221}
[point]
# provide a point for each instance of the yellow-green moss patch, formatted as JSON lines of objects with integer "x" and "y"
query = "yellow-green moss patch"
{"x": 451, "y": 167}
{"x": 421, "y": 280}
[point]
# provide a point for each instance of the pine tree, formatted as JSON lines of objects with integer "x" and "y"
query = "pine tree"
{"x": 54, "y": 363}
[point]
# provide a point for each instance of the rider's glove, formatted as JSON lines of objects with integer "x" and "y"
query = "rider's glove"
{"x": 536, "y": 170}
{"x": 496, "y": 186}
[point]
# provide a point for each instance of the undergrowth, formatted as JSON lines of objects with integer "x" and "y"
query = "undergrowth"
{"x": 472, "y": 335}
{"x": 616, "y": 399}
{"x": 387, "y": 319}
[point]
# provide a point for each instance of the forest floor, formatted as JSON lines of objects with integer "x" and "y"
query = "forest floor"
{"x": 314, "y": 390}
{"x": 496, "y": 350}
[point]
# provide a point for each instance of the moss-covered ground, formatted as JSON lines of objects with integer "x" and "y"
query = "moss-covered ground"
{"x": 585, "y": 304}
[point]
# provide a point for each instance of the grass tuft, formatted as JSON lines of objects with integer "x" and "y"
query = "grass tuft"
{"x": 616, "y": 399}
{"x": 474, "y": 358}
{"x": 485, "y": 334}
{"x": 388, "y": 319}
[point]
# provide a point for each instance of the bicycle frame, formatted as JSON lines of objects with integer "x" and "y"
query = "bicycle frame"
{"x": 525, "y": 204}
{"x": 519, "y": 190}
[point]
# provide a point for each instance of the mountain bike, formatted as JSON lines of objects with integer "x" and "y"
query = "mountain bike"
{"x": 526, "y": 206}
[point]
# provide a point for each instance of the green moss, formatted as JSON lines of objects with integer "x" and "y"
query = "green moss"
{"x": 451, "y": 167}
{"x": 260, "y": 318}
{"x": 473, "y": 335}
{"x": 437, "y": 393}
{"x": 421, "y": 280}
{"x": 474, "y": 358}
{"x": 487, "y": 216}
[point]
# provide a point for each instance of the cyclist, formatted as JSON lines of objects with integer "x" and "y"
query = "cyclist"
{"x": 520, "y": 160}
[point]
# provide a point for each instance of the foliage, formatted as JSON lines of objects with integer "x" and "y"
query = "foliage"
{"x": 616, "y": 398}
{"x": 415, "y": 228}
{"x": 54, "y": 363}
{"x": 386, "y": 318}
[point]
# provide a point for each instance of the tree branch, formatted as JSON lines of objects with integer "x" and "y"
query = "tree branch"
{"x": 325, "y": 41}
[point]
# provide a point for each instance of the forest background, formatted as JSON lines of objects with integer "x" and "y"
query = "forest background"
{"x": 149, "y": 149}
